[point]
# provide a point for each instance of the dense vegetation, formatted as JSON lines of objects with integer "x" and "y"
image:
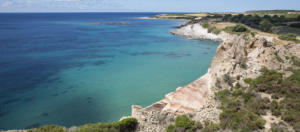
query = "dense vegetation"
{"x": 243, "y": 107}
{"x": 265, "y": 23}
{"x": 286, "y": 13}
{"x": 287, "y": 25}
{"x": 287, "y": 89}
{"x": 239, "y": 28}
{"x": 184, "y": 124}
{"x": 50, "y": 128}
{"x": 126, "y": 125}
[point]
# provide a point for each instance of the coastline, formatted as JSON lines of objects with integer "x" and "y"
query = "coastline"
{"x": 197, "y": 99}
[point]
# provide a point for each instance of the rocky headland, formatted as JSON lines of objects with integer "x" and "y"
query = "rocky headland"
{"x": 239, "y": 56}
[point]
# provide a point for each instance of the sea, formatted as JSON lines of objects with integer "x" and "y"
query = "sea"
{"x": 59, "y": 68}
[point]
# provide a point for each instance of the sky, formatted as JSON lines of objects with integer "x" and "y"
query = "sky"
{"x": 145, "y": 5}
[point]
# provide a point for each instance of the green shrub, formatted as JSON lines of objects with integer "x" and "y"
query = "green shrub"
{"x": 206, "y": 25}
{"x": 266, "y": 26}
{"x": 241, "y": 120}
{"x": 256, "y": 104}
{"x": 295, "y": 60}
{"x": 50, "y": 128}
{"x": 197, "y": 125}
{"x": 211, "y": 29}
{"x": 127, "y": 125}
{"x": 275, "y": 108}
{"x": 184, "y": 122}
{"x": 228, "y": 79}
{"x": 288, "y": 88}
{"x": 223, "y": 94}
{"x": 289, "y": 37}
{"x": 248, "y": 96}
{"x": 210, "y": 127}
{"x": 171, "y": 128}
{"x": 278, "y": 58}
{"x": 248, "y": 80}
{"x": 239, "y": 28}
{"x": 267, "y": 82}
{"x": 287, "y": 57}
{"x": 244, "y": 65}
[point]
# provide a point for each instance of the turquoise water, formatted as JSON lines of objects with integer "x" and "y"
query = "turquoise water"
{"x": 58, "y": 69}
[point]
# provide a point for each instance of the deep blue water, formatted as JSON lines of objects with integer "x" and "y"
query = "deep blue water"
{"x": 56, "y": 68}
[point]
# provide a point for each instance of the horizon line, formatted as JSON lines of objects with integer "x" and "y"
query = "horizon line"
{"x": 143, "y": 11}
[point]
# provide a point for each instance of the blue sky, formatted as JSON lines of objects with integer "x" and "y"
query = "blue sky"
{"x": 144, "y": 5}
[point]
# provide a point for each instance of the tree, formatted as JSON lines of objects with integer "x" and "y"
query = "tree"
{"x": 266, "y": 26}
{"x": 240, "y": 28}
{"x": 227, "y": 17}
{"x": 282, "y": 18}
{"x": 275, "y": 19}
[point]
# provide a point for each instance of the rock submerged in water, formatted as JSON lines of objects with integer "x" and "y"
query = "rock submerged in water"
{"x": 109, "y": 23}
{"x": 44, "y": 114}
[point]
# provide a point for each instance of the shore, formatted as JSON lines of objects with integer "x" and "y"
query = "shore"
{"x": 197, "y": 99}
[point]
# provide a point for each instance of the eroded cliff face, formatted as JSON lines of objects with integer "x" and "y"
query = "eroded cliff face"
{"x": 243, "y": 56}
{"x": 237, "y": 57}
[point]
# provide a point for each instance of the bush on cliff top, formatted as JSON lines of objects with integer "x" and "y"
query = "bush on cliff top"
{"x": 239, "y": 28}
{"x": 126, "y": 125}
{"x": 50, "y": 128}
{"x": 184, "y": 122}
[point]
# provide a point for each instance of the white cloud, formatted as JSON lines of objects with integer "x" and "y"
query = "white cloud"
{"x": 6, "y": 4}
{"x": 60, "y": 5}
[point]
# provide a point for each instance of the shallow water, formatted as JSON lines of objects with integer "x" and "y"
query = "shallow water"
{"x": 56, "y": 68}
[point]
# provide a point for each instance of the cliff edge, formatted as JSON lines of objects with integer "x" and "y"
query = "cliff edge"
{"x": 239, "y": 56}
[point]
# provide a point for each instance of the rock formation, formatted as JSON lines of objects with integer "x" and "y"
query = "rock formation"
{"x": 237, "y": 57}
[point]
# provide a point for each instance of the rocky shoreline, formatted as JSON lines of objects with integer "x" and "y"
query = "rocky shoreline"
{"x": 197, "y": 99}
